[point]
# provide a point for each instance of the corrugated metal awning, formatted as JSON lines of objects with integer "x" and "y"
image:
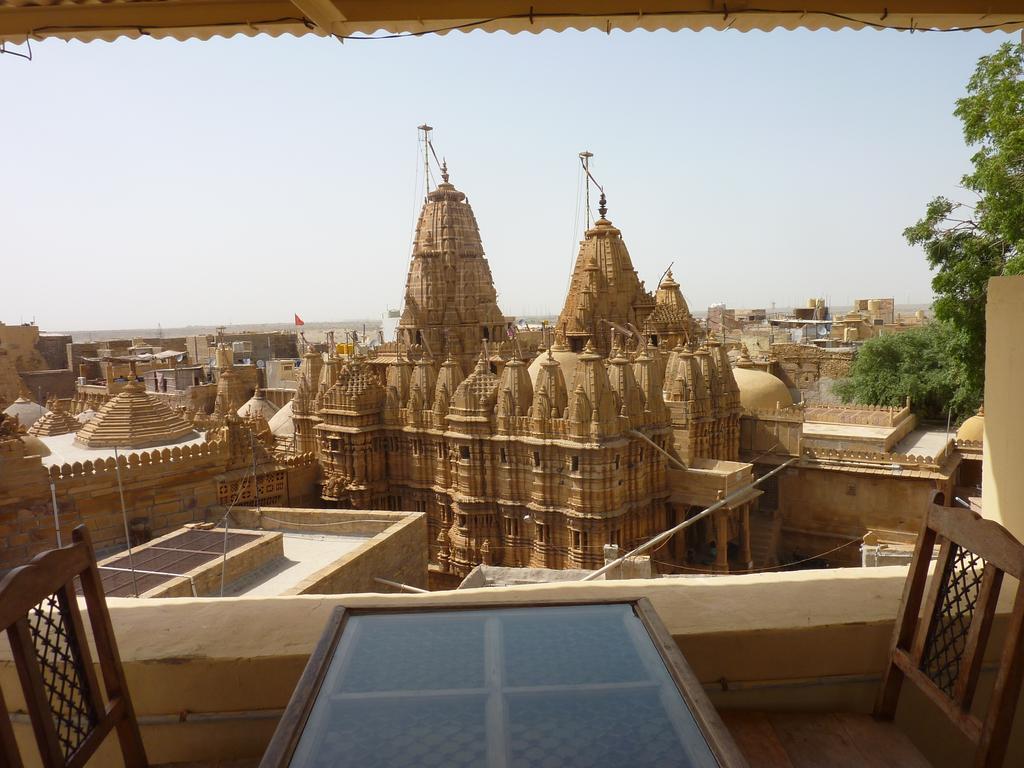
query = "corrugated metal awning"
{"x": 201, "y": 19}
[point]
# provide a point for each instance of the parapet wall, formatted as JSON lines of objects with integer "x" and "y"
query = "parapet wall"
{"x": 868, "y": 415}
{"x": 883, "y": 460}
{"x": 209, "y": 678}
{"x": 184, "y": 458}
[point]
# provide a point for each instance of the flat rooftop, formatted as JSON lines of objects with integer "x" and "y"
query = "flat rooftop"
{"x": 304, "y": 555}
{"x": 255, "y": 562}
{"x": 924, "y": 442}
{"x": 64, "y": 449}
{"x": 849, "y": 431}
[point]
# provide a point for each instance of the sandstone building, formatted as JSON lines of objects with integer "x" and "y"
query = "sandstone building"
{"x": 451, "y": 306}
{"x": 539, "y": 465}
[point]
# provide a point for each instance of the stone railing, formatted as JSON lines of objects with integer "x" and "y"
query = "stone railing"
{"x": 197, "y": 452}
{"x": 886, "y": 460}
{"x": 130, "y": 461}
{"x": 975, "y": 445}
{"x": 867, "y": 415}
{"x": 789, "y": 413}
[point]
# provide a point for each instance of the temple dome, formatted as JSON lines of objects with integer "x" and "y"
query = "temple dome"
{"x": 258, "y": 406}
{"x": 281, "y": 424}
{"x": 450, "y": 302}
{"x": 478, "y": 392}
{"x": 55, "y": 422}
{"x": 28, "y": 412}
{"x": 973, "y": 430}
{"x": 34, "y": 446}
{"x": 604, "y": 287}
{"x": 566, "y": 359}
{"x": 134, "y": 419}
{"x": 760, "y": 390}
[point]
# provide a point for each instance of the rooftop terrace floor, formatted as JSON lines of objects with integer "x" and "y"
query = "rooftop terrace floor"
{"x": 304, "y": 555}
{"x": 64, "y": 449}
{"x": 923, "y": 442}
{"x": 856, "y": 431}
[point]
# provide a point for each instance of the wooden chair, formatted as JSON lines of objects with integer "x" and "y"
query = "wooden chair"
{"x": 939, "y": 650}
{"x": 39, "y": 611}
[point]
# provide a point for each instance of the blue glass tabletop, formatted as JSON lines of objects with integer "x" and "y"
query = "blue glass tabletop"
{"x": 561, "y": 686}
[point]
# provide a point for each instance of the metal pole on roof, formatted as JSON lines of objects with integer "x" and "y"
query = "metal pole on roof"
{"x": 56, "y": 517}
{"x": 585, "y": 156}
{"x": 396, "y": 585}
{"x": 665, "y": 535}
{"x": 124, "y": 517}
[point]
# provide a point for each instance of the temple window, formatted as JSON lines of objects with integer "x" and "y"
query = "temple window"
{"x": 464, "y": 452}
{"x": 463, "y": 521}
{"x": 536, "y": 458}
{"x": 542, "y": 533}
{"x": 486, "y": 332}
{"x": 504, "y": 456}
{"x": 579, "y": 539}
{"x": 575, "y": 463}
{"x": 511, "y": 526}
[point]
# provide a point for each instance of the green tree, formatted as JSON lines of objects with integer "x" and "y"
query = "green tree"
{"x": 915, "y": 364}
{"x": 966, "y": 244}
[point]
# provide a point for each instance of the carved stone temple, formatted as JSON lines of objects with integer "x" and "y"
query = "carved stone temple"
{"x": 608, "y": 437}
{"x": 451, "y": 306}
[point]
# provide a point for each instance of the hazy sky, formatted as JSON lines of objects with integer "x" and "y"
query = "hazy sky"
{"x": 242, "y": 180}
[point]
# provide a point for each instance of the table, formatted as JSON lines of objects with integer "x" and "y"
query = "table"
{"x": 502, "y": 686}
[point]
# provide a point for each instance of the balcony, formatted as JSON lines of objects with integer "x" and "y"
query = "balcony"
{"x": 210, "y": 677}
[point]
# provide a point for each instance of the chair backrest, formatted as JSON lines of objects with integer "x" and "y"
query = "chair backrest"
{"x": 40, "y": 614}
{"x": 942, "y": 629}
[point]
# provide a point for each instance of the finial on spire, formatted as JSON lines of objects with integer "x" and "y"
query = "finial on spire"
{"x": 444, "y": 169}
{"x": 602, "y": 207}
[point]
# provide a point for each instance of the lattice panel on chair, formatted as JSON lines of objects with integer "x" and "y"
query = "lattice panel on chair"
{"x": 63, "y": 676}
{"x": 954, "y": 609}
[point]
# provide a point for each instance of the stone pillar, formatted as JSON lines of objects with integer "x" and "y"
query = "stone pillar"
{"x": 1003, "y": 452}
{"x": 722, "y": 540}
{"x": 745, "y": 554}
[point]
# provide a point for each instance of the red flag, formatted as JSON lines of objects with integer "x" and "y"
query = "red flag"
{"x": 298, "y": 320}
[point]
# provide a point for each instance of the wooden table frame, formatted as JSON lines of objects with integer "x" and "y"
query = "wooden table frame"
{"x": 289, "y": 730}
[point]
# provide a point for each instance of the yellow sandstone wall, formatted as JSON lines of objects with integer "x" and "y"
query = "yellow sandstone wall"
{"x": 396, "y": 549}
{"x": 822, "y": 508}
{"x": 165, "y": 488}
{"x": 398, "y": 553}
{"x": 20, "y": 343}
{"x": 1003, "y": 464}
